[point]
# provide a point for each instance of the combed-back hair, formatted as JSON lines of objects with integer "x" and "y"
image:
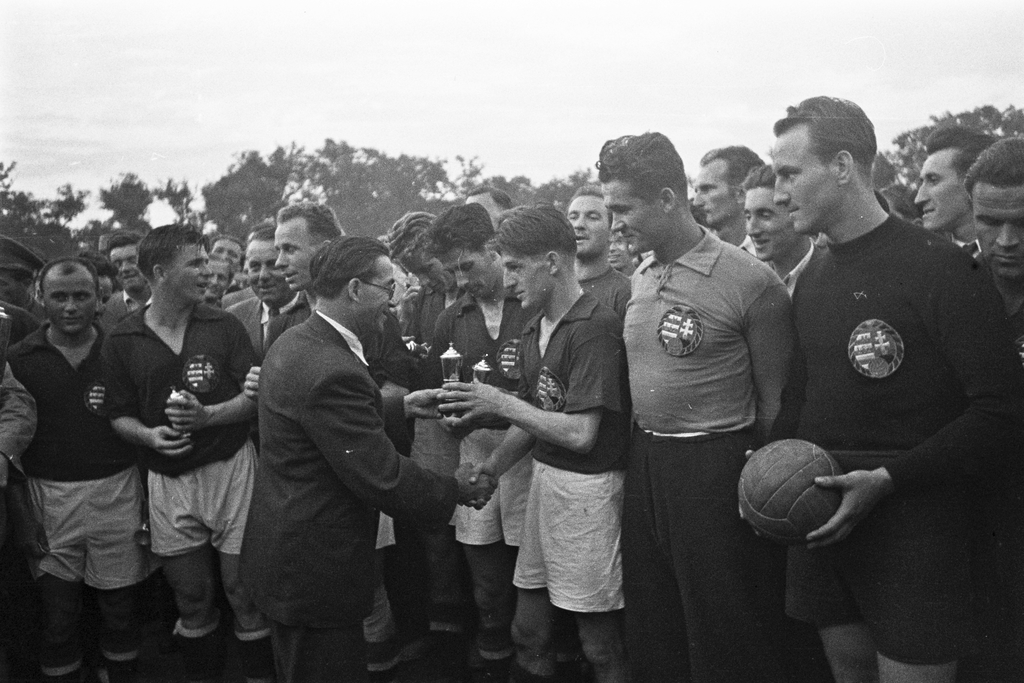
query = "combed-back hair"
{"x": 406, "y": 239}
{"x": 162, "y": 244}
{"x": 1001, "y": 165}
{"x": 834, "y": 125}
{"x": 103, "y": 266}
{"x": 66, "y": 266}
{"x": 534, "y": 231}
{"x": 467, "y": 227}
{"x": 264, "y": 232}
{"x": 500, "y": 197}
{"x": 739, "y": 160}
{"x": 648, "y": 163}
{"x": 587, "y": 191}
{"x": 758, "y": 177}
{"x": 217, "y": 237}
{"x": 343, "y": 259}
{"x": 321, "y": 220}
{"x": 967, "y": 142}
{"x": 122, "y": 238}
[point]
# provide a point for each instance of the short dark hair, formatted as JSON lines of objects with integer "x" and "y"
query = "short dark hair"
{"x": 406, "y": 238}
{"x": 759, "y": 177}
{"x": 343, "y": 259}
{"x": 217, "y": 237}
{"x": 535, "y": 230}
{"x": 834, "y": 125}
{"x": 103, "y": 266}
{"x": 66, "y": 266}
{"x": 967, "y": 142}
{"x": 648, "y": 162}
{"x": 321, "y": 221}
{"x": 739, "y": 160}
{"x": 1001, "y": 165}
{"x": 500, "y": 197}
{"x": 466, "y": 227}
{"x": 263, "y": 233}
{"x": 122, "y": 238}
{"x": 162, "y": 244}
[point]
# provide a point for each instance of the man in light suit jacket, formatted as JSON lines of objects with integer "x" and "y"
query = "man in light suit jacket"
{"x": 327, "y": 468}
{"x": 272, "y": 293}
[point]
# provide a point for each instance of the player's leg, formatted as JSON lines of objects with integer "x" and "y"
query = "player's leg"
{"x": 119, "y": 640}
{"x": 851, "y": 652}
{"x": 190, "y": 576}
{"x": 890, "y": 671}
{"x": 491, "y": 567}
{"x": 251, "y": 628}
{"x": 60, "y": 653}
{"x": 602, "y": 638}
{"x": 531, "y": 631}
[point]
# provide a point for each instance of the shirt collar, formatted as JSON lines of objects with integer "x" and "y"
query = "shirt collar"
{"x": 351, "y": 339}
{"x": 792, "y": 275}
{"x": 582, "y": 309}
{"x": 265, "y": 309}
{"x": 701, "y": 258}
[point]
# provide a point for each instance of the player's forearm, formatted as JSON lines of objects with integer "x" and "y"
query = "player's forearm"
{"x": 516, "y": 444}
{"x": 575, "y": 431}
{"x": 132, "y": 430}
{"x": 238, "y": 409}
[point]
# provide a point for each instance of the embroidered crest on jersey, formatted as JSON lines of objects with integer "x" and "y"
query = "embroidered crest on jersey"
{"x": 550, "y": 395}
{"x": 508, "y": 359}
{"x": 200, "y": 374}
{"x": 875, "y": 349}
{"x": 1019, "y": 344}
{"x": 95, "y": 397}
{"x": 680, "y": 331}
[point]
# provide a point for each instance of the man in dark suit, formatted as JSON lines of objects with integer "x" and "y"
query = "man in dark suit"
{"x": 326, "y": 469}
{"x": 272, "y": 294}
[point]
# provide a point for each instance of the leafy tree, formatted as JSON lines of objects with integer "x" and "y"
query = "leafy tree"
{"x": 559, "y": 191}
{"x": 179, "y": 196}
{"x": 40, "y": 224}
{"x": 909, "y": 155}
{"x": 253, "y": 189}
{"x": 128, "y": 198}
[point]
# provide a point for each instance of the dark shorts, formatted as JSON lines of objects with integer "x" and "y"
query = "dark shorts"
{"x": 903, "y": 571}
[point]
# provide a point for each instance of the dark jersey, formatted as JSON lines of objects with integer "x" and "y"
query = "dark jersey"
{"x": 610, "y": 288}
{"x": 582, "y": 368}
{"x": 74, "y": 440}
{"x": 141, "y": 371}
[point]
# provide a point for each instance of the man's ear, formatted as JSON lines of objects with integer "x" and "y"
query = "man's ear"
{"x": 844, "y": 167}
{"x": 352, "y": 288}
{"x": 668, "y": 199}
{"x": 555, "y": 262}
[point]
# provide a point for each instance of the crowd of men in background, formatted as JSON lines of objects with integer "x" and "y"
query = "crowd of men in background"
{"x": 506, "y": 440}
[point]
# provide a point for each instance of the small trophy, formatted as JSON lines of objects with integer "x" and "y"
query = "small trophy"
{"x": 451, "y": 365}
{"x": 481, "y": 371}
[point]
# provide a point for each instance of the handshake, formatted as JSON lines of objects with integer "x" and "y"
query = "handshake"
{"x": 476, "y": 485}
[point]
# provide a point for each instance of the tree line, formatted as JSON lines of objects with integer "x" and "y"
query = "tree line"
{"x": 367, "y": 188}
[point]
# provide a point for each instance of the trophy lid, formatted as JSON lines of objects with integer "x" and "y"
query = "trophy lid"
{"x": 451, "y": 352}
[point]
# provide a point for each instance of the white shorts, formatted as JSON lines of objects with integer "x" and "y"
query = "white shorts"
{"x": 571, "y": 539}
{"x": 91, "y": 528}
{"x": 502, "y": 517}
{"x": 207, "y": 504}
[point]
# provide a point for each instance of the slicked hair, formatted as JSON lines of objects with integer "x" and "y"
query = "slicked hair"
{"x": 535, "y": 230}
{"x": 321, "y": 220}
{"x": 834, "y": 125}
{"x": 967, "y": 142}
{"x": 263, "y": 233}
{"x": 407, "y": 238}
{"x": 500, "y": 197}
{"x": 66, "y": 266}
{"x": 1001, "y": 165}
{"x": 467, "y": 227}
{"x": 739, "y": 160}
{"x": 648, "y": 163}
{"x": 343, "y": 259}
{"x": 122, "y": 238}
{"x": 161, "y": 245}
{"x": 761, "y": 176}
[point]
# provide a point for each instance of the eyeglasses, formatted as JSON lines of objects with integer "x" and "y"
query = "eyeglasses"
{"x": 390, "y": 289}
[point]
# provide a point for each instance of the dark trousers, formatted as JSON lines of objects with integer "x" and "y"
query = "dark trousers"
{"x": 705, "y": 597}
{"x": 308, "y": 655}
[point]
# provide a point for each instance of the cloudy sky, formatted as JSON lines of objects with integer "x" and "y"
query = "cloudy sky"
{"x": 90, "y": 90}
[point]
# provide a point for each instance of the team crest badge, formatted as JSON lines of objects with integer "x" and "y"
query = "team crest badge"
{"x": 508, "y": 359}
{"x": 680, "y": 331}
{"x": 95, "y": 397}
{"x": 550, "y": 391}
{"x": 1019, "y": 344}
{"x": 200, "y": 374}
{"x": 875, "y": 349}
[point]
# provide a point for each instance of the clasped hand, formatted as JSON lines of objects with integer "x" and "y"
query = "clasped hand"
{"x": 463, "y": 404}
{"x": 475, "y": 488}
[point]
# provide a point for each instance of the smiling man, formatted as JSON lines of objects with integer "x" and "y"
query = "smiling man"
{"x": 273, "y": 295}
{"x": 908, "y": 381}
{"x": 592, "y": 226}
{"x": 709, "y": 338}
{"x": 174, "y": 371}
{"x": 123, "y": 252}
{"x": 942, "y": 198}
{"x": 770, "y": 229}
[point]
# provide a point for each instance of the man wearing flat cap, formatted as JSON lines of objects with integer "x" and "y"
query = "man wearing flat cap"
{"x": 18, "y": 266}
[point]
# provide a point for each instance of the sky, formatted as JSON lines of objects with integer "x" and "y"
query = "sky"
{"x": 91, "y": 90}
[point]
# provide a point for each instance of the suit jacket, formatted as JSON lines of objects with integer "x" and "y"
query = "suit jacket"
{"x": 250, "y": 312}
{"x": 326, "y": 468}
{"x": 232, "y": 298}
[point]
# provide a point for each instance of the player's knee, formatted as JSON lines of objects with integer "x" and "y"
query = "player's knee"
{"x": 601, "y": 649}
{"x": 530, "y": 635}
{"x": 117, "y": 607}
